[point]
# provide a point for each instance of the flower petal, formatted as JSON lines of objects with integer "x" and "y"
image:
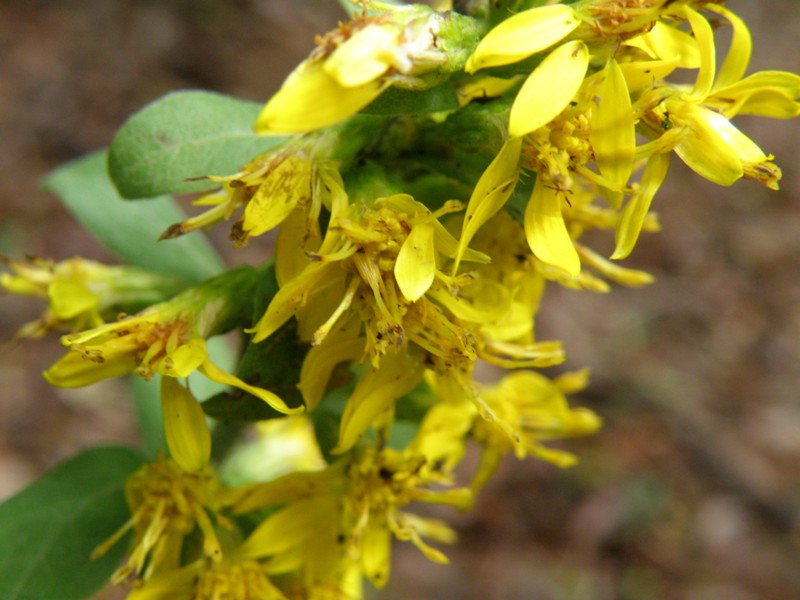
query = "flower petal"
{"x": 669, "y": 44}
{"x": 374, "y": 547}
{"x": 522, "y": 35}
{"x": 296, "y": 292}
{"x": 364, "y": 57}
{"x": 707, "y": 149}
{"x": 704, "y": 35}
{"x": 546, "y": 231}
{"x": 310, "y": 99}
{"x": 281, "y": 531}
{"x": 641, "y": 74}
{"x": 490, "y": 194}
{"x": 69, "y": 298}
{"x": 549, "y": 89}
{"x": 735, "y": 64}
{"x": 375, "y": 392}
{"x": 184, "y": 359}
{"x": 339, "y": 346}
{"x": 214, "y": 373}
{"x": 766, "y": 93}
{"x": 288, "y": 184}
{"x": 630, "y": 221}
{"x": 613, "y": 135}
{"x": 185, "y": 428}
{"x": 415, "y": 266}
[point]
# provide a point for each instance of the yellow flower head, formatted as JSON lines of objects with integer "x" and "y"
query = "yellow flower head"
{"x": 80, "y": 292}
{"x": 167, "y": 338}
{"x": 166, "y": 505}
{"x": 269, "y": 188}
{"x": 379, "y": 484}
{"x": 171, "y": 497}
{"x": 380, "y": 259}
{"x": 695, "y": 121}
{"x": 357, "y": 61}
{"x": 536, "y": 410}
{"x": 579, "y": 110}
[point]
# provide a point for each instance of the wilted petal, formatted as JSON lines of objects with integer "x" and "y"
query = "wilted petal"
{"x": 546, "y": 231}
{"x": 549, "y": 89}
{"x": 362, "y": 58}
{"x": 522, "y": 35}
{"x": 277, "y": 196}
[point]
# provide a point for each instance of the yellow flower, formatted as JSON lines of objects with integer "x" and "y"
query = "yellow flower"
{"x": 354, "y": 64}
{"x": 380, "y": 258}
{"x": 537, "y": 410}
{"x": 167, "y": 338}
{"x": 348, "y": 513}
{"x": 80, "y": 292}
{"x": 170, "y": 497}
{"x": 696, "y": 122}
{"x": 517, "y": 414}
{"x": 376, "y": 287}
{"x": 380, "y": 483}
{"x": 166, "y": 505}
{"x": 270, "y": 188}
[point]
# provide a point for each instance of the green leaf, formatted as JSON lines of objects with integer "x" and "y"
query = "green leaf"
{"x": 131, "y": 230}
{"x": 48, "y": 530}
{"x": 182, "y": 136}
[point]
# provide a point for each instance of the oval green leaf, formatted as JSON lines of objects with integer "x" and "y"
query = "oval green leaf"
{"x": 50, "y": 528}
{"x": 167, "y": 145}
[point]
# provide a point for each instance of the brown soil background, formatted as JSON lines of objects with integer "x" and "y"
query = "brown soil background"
{"x": 692, "y": 489}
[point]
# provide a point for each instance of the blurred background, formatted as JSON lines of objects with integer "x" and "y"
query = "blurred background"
{"x": 691, "y": 490}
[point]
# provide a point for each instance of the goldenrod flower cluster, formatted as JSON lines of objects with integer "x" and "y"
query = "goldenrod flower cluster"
{"x": 438, "y": 170}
